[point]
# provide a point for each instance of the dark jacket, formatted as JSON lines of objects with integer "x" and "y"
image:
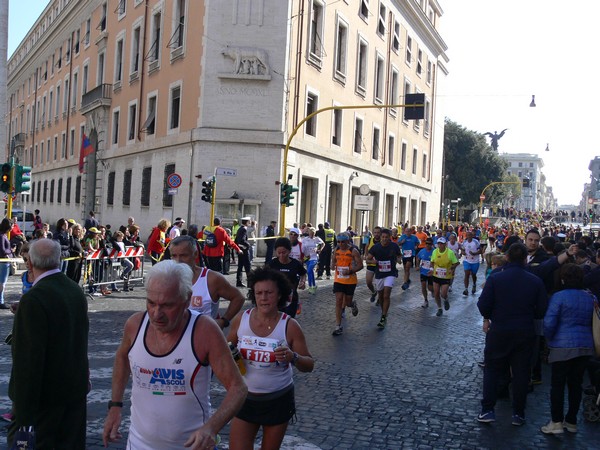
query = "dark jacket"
{"x": 49, "y": 348}
{"x": 512, "y": 299}
{"x": 568, "y": 321}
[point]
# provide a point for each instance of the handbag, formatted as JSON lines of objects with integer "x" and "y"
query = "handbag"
{"x": 24, "y": 439}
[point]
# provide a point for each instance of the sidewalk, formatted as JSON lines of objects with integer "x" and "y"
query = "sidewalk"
{"x": 415, "y": 384}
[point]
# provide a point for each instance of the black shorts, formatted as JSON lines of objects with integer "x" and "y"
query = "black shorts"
{"x": 428, "y": 279}
{"x": 408, "y": 260}
{"x": 269, "y": 409}
{"x": 346, "y": 289}
{"x": 371, "y": 268}
{"x": 442, "y": 281}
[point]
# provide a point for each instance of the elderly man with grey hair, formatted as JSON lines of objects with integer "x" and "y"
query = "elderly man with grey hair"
{"x": 49, "y": 379}
{"x": 168, "y": 350}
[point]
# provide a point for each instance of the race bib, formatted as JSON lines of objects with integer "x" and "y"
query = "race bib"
{"x": 425, "y": 264}
{"x": 384, "y": 266}
{"x": 258, "y": 351}
{"x": 440, "y": 273}
{"x": 342, "y": 272}
{"x": 407, "y": 253}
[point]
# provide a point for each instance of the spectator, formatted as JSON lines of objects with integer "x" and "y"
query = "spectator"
{"x": 215, "y": 241}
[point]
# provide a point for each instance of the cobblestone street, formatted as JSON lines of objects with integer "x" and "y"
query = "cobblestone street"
{"x": 415, "y": 384}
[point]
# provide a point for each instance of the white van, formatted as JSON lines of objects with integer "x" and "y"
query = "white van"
{"x": 25, "y": 223}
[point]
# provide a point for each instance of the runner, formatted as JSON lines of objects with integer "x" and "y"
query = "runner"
{"x": 472, "y": 251}
{"x": 345, "y": 262}
{"x": 372, "y": 267}
{"x": 385, "y": 255}
{"x": 409, "y": 243}
{"x": 443, "y": 264}
{"x": 311, "y": 246}
{"x": 456, "y": 247}
{"x": 424, "y": 259}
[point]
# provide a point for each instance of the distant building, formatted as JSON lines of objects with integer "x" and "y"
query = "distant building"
{"x": 538, "y": 196}
{"x": 186, "y": 87}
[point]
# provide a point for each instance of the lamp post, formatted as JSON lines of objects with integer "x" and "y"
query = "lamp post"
{"x": 456, "y": 201}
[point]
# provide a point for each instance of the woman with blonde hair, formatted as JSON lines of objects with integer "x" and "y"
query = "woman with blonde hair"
{"x": 156, "y": 242}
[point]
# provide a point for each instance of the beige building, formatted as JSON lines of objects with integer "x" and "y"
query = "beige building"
{"x": 538, "y": 196}
{"x": 198, "y": 88}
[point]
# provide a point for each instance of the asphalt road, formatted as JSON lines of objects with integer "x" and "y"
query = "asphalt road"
{"x": 415, "y": 384}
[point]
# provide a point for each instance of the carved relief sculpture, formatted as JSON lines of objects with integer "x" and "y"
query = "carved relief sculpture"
{"x": 248, "y": 63}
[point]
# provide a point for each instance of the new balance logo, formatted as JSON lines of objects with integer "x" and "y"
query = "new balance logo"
{"x": 177, "y": 361}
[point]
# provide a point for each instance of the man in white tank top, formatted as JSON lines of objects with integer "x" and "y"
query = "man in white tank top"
{"x": 208, "y": 286}
{"x": 167, "y": 350}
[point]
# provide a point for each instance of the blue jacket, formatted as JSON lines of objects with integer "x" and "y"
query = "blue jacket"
{"x": 512, "y": 299}
{"x": 568, "y": 321}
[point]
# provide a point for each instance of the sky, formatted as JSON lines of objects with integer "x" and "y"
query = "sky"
{"x": 501, "y": 53}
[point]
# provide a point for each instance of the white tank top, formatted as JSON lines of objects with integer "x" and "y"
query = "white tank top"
{"x": 296, "y": 252}
{"x": 263, "y": 373}
{"x": 201, "y": 300}
{"x": 169, "y": 393}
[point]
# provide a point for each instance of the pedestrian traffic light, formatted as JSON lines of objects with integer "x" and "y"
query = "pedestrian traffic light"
{"x": 289, "y": 190}
{"x": 5, "y": 181}
{"x": 22, "y": 178}
{"x": 208, "y": 189}
{"x": 526, "y": 182}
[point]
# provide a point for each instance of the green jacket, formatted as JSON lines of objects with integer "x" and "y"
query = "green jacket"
{"x": 49, "y": 348}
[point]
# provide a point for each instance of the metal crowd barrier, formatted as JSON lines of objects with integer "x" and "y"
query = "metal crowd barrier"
{"x": 98, "y": 270}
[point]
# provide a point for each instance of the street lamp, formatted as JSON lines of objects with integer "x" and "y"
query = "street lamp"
{"x": 456, "y": 201}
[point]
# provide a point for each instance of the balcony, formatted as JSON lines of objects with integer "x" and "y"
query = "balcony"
{"x": 100, "y": 96}
{"x": 19, "y": 139}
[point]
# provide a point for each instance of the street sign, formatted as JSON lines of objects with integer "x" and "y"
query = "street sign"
{"x": 174, "y": 180}
{"x": 226, "y": 172}
{"x": 173, "y": 191}
{"x": 590, "y": 200}
{"x": 363, "y": 202}
{"x": 482, "y": 197}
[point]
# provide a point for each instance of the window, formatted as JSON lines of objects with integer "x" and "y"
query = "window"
{"x": 110, "y": 189}
{"x": 361, "y": 71}
{"x": 178, "y": 25}
{"x": 146, "y": 182}
{"x": 419, "y": 62}
{"x": 426, "y": 119}
{"x": 381, "y": 22}
{"x": 341, "y": 50}
{"x": 175, "y": 107}
{"x": 102, "y": 24}
{"x": 45, "y": 191}
{"x": 121, "y": 9}
{"x": 391, "y": 149}
{"x": 78, "y": 189}
{"x": 408, "y": 50}
{"x": 358, "y": 131}
{"x": 396, "y": 37}
{"x": 394, "y": 90}
{"x": 336, "y": 136}
{"x": 150, "y": 124}
{"x": 429, "y": 72}
{"x": 44, "y": 111}
{"x": 155, "y": 48}
{"x": 407, "y": 88}
{"x": 84, "y": 81}
{"x": 59, "y": 191}
{"x": 424, "y": 169}
{"x": 75, "y": 87}
{"x": 135, "y": 50}
{"x": 403, "y": 156}
{"x": 38, "y": 191}
{"x": 312, "y": 104}
{"x": 132, "y": 122}
{"x": 77, "y": 39}
{"x": 72, "y": 142}
{"x": 315, "y": 42}
{"x": 100, "y": 73}
{"x": 55, "y": 150}
{"x": 379, "y": 79}
{"x": 520, "y": 164}
{"x": 414, "y": 161}
{"x": 363, "y": 11}
{"x": 376, "y": 144}
{"x": 86, "y": 38}
{"x": 530, "y": 164}
{"x": 127, "y": 187}
{"x": 41, "y": 150}
{"x": 59, "y": 62}
{"x": 167, "y": 199}
{"x": 119, "y": 62}
{"x": 63, "y": 146}
{"x": 50, "y": 106}
{"x": 68, "y": 191}
{"x": 51, "y": 191}
{"x": 57, "y": 101}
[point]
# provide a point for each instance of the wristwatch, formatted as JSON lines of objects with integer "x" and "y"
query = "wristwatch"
{"x": 111, "y": 404}
{"x": 294, "y": 358}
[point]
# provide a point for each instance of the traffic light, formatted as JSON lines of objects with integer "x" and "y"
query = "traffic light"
{"x": 286, "y": 194}
{"x": 5, "y": 182}
{"x": 208, "y": 188}
{"x": 416, "y": 112}
{"x": 591, "y": 213}
{"x": 526, "y": 182}
{"x": 283, "y": 194}
{"x": 22, "y": 178}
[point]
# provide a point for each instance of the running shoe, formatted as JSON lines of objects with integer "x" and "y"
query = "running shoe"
{"x": 450, "y": 288}
{"x": 571, "y": 427}
{"x": 446, "y": 305}
{"x": 338, "y": 330}
{"x": 319, "y": 277}
{"x": 486, "y": 417}
{"x": 354, "y": 307}
{"x": 382, "y": 322}
{"x": 373, "y": 297}
{"x": 405, "y": 286}
{"x": 425, "y": 304}
{"x": 466, "y": 292}
{"x": 553, "y": 428}
{"x": 439, "y": 312}
{"x": 518, "y": 420}
{"x": 328, "y": 277}
{"x": 473, "y": 290}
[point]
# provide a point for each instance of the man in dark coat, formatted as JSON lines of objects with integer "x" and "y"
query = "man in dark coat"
{"x": 241, "y": 239}
{"x": 49, "y": 379}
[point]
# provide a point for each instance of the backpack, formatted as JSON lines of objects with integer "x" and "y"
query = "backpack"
{"x": 210, "y": 240}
